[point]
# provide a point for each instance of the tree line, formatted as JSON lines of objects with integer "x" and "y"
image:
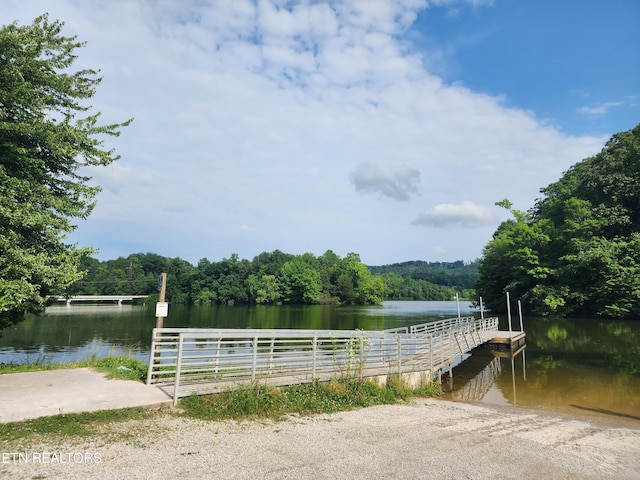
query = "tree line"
{"x": 577, "y": 251}
{"x": 269, "y": 278}
{"x": 459, "y": 275}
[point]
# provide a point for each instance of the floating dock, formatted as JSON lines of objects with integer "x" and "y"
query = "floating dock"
{"x": 506, "y": 341}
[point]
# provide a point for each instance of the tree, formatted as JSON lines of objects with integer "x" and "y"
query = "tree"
{"x": 265, "y": 289}
{"x": 577, "y": 251}
{"x": 47, "y": 135}
{"x": 301, "y": 279}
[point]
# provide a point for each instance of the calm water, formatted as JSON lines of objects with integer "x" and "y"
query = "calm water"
{"x": 581, "y": 365}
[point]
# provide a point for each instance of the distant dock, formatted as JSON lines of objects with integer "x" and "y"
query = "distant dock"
{"x": 97, "y": 299}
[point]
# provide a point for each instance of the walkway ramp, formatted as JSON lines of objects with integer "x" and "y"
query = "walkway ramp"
{"x": 184, "y": 361}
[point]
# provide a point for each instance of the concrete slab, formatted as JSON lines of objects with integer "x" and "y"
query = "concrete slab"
{"x": 51, "y": 392}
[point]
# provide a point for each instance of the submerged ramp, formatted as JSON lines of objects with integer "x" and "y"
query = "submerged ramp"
{"x": 186, "y": 360}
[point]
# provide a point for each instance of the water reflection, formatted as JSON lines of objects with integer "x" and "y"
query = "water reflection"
{"x": 581, "y": 365}
{"x": 77, "y": 332}
{"x": 504, "y": 379}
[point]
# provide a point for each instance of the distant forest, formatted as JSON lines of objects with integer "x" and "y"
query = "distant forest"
{"x": 458, "y": 275}
{"x": 277, "y": 277}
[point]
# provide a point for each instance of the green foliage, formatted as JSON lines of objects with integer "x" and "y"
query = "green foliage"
{"x": 301, "y": 280}
{"x": 577, "y": 252}
{"x": 257, "y": 400}
{"x": 46, "y": 136}
{"x": 270, "y": 278}
{"x": 457, "y": 275}
{"x": 58, "y": 428}
{"x": 121, "y": 368}
{"x": 116, "y": 367}
{"x": 417, "y": 280}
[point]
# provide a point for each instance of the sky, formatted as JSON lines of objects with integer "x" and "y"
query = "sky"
{"x": 388, "y": 128}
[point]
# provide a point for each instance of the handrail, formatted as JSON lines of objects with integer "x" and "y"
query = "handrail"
{"x": 212, "y": 360}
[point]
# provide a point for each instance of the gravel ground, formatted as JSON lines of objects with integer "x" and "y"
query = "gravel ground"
{"x": 428, "y": 438}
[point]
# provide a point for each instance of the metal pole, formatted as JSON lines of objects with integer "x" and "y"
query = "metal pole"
{"x": 315, "y": 352}
{"x": 152, "y": 351}
{"x": 509, "y": 315}
{"x": 481, "y": 309}
{"x": 254, "y": 358}
{"x": 520, "y": 313}
{"x": 513, "y": 377}
{"x": 458, "y": 303}
{"x": 431, "y": 356}
{"x": 399, "y": 353}
{"x": 178, "y": 370}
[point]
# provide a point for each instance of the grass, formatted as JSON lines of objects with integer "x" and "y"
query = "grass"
{"x": 250, "y": 402}
{"x": 261, "y": 401}
{"x": 122, "y": 368}
{"x": 59, "y": 427}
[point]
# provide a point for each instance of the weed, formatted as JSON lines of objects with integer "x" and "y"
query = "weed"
{"x": 59, "y": 427}
{"x": 117, "y": 367}
{"x": 318, "y": 397}
{"x": 121, "y": 368}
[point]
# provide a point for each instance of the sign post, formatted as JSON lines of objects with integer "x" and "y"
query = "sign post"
{"x": 162, "y": 307}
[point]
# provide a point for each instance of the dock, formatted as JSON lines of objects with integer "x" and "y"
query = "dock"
{"x": 186, "y": 361}
{"x": 506, "y": 341}
{"x": 98, "y": 299}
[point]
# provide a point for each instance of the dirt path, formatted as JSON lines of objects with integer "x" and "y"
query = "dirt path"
{"x": 432, "y": 439}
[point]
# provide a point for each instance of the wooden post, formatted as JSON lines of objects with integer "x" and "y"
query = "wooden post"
{"x": 163, "y": 290}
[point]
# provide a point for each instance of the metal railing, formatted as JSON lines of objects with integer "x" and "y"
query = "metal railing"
{"x": 214, "y": 360}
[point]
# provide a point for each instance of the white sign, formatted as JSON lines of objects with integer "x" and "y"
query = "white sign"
{"x": 162, "y": 309}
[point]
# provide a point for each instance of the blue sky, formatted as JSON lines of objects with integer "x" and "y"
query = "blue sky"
{"x": 571, "y": 62}
{"x": 386, "y": 128}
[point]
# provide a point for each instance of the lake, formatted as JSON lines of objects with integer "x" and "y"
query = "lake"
{"x": 577, "y": 365}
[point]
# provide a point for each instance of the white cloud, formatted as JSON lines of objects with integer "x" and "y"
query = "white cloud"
{"x": 267, "y": 115}
{"x": 599, "y": 109}
{"x": 119, "y": 177}
{"x": 465, "y": 215}
{"x": 397, "y": 182}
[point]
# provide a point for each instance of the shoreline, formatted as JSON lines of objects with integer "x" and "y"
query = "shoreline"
{"x": 603, "y": 419}
{"x": 424, "y": 438}
{"x": 601, "y": 416}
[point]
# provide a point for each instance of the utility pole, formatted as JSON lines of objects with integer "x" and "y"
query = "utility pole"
{"x": 162, "y": 307}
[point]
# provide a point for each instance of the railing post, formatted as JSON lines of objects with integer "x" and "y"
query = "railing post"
{"x": 176, "y": 384}
{"x": 399, "y": 356}
{"x": 255, "y": 358}
{"x": 362, "y": 361}
{"x": 315, "y": 351}
{"x": 271, "y": 348}
{"x": 431, "y": 354}
{"x": 217, "y": 362}
{"x": 152, "y": 353}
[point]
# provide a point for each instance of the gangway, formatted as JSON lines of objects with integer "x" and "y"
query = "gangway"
{"x": 184, "y": 361}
